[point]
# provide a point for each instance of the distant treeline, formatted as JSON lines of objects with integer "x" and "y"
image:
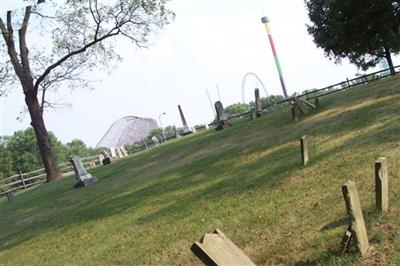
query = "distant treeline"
{"x": 20, "y": 152}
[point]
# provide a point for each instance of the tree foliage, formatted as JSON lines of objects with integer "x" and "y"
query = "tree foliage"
{"x": 20, "y": 152}
{"x": 364, "y": 31}
{"x": 236, "y": 109}
{"x": 6, "y": 162}
{"x": 79, "y": 35}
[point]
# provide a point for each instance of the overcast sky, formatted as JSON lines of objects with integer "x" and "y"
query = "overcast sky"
{"x": 211, "y": 42}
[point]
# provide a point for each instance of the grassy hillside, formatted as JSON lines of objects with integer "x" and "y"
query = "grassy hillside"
{"x": 247, "y": 181}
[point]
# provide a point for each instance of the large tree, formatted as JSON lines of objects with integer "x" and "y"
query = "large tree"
{"x": 364, "y": 31}
{"x": 76, "y": 35}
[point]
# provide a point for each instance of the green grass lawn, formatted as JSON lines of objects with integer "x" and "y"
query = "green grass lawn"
{"x": 247, "y": 181}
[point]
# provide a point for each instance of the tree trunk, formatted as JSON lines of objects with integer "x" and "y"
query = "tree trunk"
{"x": 42, "y": 136}
{"x": 389, "y": 61}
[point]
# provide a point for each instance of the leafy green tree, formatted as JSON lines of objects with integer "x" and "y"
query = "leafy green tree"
{"x": 78, "y": 147}
{"x": 157, "y": 132}
{"x": 170, "y": 131}
{"x": 80, "y": 38}
{"x": 25, "y": 151}
{"x": 364, "y": 31}
{"x": 6, "y": 162}
{"x": 236, "y": 109}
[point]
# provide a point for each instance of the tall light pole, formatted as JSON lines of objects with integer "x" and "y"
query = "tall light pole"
{"x": 265, "y": 21}
{"x": 162, "y": 128}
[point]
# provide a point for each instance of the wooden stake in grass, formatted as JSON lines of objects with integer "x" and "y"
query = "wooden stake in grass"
{"x": 381, "y": 185}
{"x": 304, "y": 150}
{"x": 217, "y": 249}
{"x": 357, "y": 225}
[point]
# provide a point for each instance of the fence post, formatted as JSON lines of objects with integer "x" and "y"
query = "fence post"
{"x": 21, "y": 175}
{"x": 348, "y": 83}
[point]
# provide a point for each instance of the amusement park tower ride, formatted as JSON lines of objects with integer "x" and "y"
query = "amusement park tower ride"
{"x": 265, "y": 21}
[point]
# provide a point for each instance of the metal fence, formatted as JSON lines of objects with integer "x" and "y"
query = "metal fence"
{"x": 347, "y": 84}
{"x": 30, "y": 179}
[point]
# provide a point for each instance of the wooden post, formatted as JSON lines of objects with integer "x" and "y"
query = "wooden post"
{"x": 348, "y": 83}
{"x": 381, "y": 185}
{"x": 21, "y": 176}
{"x": 357, "y": 225}
{"x": 217, "y": 249}
{"x": 304, "y": 150}
{"x": 295, "y": 111}
{"x": 316, "y": 102}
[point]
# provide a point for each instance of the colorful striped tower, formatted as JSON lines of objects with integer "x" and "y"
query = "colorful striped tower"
{"x": 265, "y": 21}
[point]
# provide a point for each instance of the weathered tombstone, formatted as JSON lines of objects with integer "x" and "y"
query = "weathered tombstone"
{"x": 186, "y": 129}
{"x": 155, "y": 140}
{"x": 307, "y": 103}
{"x": 304, "y": 150}
{"x": 119, "y": 153}
{"x": 381, "y": 185}
{"x": 223, "y": 121}
{"x": 82, "y": 177}
{"x": 273, "y": 103}
{"x": 113, "y": 154}
{"x": 258, "y": 103}
{"x": 107, "y": 158}
{"x": 124, "y": 151}
{"x": 10, "y": 197}
{"x": 100, "y": 158}
{"x": 357, "y": 226}
{"x": 252, "y": 113}
{"x": 217, "y": 249}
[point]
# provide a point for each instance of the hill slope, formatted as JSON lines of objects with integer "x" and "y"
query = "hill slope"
{"x": 246, "y": 181}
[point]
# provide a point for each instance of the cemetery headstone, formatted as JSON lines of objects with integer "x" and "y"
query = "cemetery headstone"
{"x": 304, "y": 150}
{"x": 124, "y": 151}
{"x": 155, "y": 140}
{"x": 218, "y": 249}
{"x": 357, "y": 226}
{"x": 113, "y": 154}
{"x": 223, "y": 121}
{"x": 381, "y": 185}
{"x": 186, "y": 129}
{"x": 82, "y": 177}
{"x": 273, "y": 103}
{"x": 119, "y": 153}
{"x": 100, "y": 158}
{"x": 107, "y": 158}
{"x": 258, "y": 103}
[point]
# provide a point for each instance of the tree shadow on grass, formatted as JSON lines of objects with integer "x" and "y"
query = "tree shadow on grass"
{"x": 96, "y": 207}
{"x": 136, "y": 181}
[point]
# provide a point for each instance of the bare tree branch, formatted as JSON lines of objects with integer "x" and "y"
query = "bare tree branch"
{"x": 66, "y": 57}
{"x": 22, "y": 43}
{"x": 8, "y": 36}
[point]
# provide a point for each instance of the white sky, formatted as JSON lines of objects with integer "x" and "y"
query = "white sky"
{"x": 210, "y": 43}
